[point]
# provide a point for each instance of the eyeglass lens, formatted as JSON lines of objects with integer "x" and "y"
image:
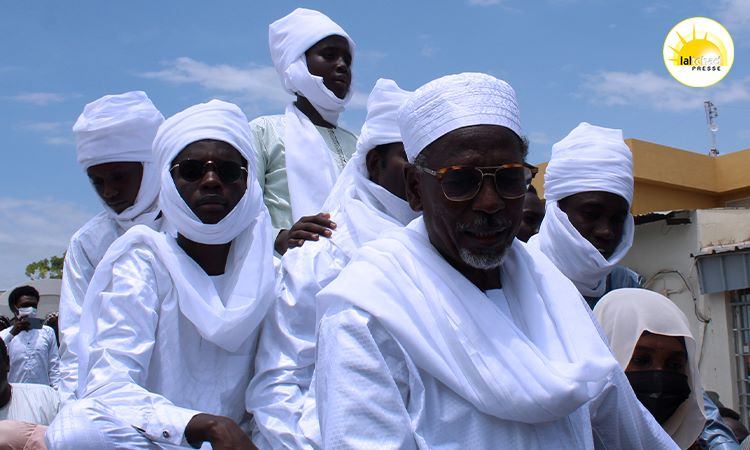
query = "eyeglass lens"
{"x": 193, "y": 170}
{"x": 464, "y": 183}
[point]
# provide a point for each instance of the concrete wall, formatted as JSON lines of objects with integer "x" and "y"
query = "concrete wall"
{"x": 662, "y": 254}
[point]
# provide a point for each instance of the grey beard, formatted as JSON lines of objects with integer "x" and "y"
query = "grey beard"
{"x": 482, "y": 261}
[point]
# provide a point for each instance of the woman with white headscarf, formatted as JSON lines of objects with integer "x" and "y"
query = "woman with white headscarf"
{"x": 113, "y": 144}
{"x": 651, "y": 340}
{"x": 170, "y": 325}
{"x": 301, "y": 153}
{"x": 587, "y": 227}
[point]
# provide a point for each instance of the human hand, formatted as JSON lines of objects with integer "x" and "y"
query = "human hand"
{"x": 307, "y": 228}
{"x": 222, "y": 432}
{"x": 19, "y": 326}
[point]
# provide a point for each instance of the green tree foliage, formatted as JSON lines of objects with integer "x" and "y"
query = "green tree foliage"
{"x": 51, "y": 267}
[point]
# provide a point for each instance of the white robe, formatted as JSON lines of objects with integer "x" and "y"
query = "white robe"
{"x": 278, "y": 394}
{"x": 86, "y": 249}
{"x": 33, "y": 356}
{"x": 372, "y": 392}
{"x": 33, "y": 403}
{"x": 148, "y": 363}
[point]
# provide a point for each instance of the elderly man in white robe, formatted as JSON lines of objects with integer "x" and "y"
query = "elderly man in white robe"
{"x": 450, "y": 333}
{"x": 301, "y": 152}
{"x": 170, "y": 325}
{"x": 113, "y": 143}
{"x": 367, "y": 199}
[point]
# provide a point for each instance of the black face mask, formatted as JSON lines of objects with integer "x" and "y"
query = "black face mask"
{"x": 659, "y": 391}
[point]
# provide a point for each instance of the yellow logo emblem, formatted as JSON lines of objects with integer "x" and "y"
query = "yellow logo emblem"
{"x": 698, "y": 52}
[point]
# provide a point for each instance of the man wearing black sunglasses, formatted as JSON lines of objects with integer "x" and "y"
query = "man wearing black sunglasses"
{"x": 170, "y": 323}
{"x": 450, "y": 332}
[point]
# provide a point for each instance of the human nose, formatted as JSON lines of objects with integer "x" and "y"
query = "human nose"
{"x": 109, "y": 191}
{"x": 488, "y": 200}
{"x": 604, "y": 230}
{"x": 210, "y": 177}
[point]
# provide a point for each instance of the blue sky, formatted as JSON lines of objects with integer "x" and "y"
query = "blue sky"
{"x": 569, "y": 61}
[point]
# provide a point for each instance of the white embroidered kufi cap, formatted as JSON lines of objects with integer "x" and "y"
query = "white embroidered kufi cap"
{"x": 456, "y": 101}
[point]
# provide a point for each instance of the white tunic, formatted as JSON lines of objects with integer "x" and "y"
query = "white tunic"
{"x": 376, "y": 397}
{"x": 33, "y": 403}
{"x": 149, "y": 363}
{"x": 33, "y": 356}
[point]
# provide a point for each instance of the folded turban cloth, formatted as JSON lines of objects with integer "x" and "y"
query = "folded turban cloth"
{"x": 121, "y": 128}
{"x": 456, "y": 101}
{"x": 219, "y": 121}
{"x": 117, "y": 128}
{"x": 590, "y": 158}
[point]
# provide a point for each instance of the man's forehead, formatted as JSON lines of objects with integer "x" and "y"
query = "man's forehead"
{"x": 476, "y": 143}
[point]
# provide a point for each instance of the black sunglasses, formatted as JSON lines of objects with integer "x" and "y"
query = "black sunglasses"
{"x": 194, "y": 170}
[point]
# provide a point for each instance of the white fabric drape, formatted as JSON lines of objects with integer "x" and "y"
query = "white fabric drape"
{"x": 539, "y": 365}
{"x": 121, "y": 128}
{"x": 624, "y": 315}
{"x": 575, "y": 256}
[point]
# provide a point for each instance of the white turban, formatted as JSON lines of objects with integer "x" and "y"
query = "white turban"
{"x": 289, "y": 38}
{"x": 624, "y": 314}
{"x": 121, "y": 128}
{"x": 220, "y": 121}
{"x": 456, "y": 101}
{"x": 354, "y": 184}
{"x": 590, "y": 158}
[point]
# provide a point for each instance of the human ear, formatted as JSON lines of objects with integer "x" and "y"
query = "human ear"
{"x": 372, "y": 162}
{"x": 413, "y": 192}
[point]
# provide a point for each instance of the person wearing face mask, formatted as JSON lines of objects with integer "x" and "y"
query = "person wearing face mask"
{"x": 300, "y": 153}
{"x": 32, "y": 346}
{"x": 651, "y": 339}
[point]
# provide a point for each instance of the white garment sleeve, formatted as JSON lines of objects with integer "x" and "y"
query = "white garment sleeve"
{"x": 53, "y": 357}
{"x": 360, "y": 402}
{"x": 6, "y": 335}
{"x": 77, "y": 273}
{"x": 285, "y": 360}
{"x": 121, "y": 347}
{"x": 619, "y": 420}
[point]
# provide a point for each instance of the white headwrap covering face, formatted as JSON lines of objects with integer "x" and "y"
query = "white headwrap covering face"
{"x": 453, "y": 102}
{"x": 624, "y": 315}
{"x": 311, "y": 171}
{"x": 590, "y": 158}
{"x": 213, "y": 120}
{"x": 369, "y": 207}
{"x": 289, "y": 38}
{"x": 229, "y": 317}
{"x": 121, "y": 128}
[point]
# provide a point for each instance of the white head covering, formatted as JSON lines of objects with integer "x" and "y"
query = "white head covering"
{"x": 590, "y": 158}
{"x": 213, "y": 120}
{"x": 289, "y": 38}
{"x": 453, "y": 102}
{"x": 311, "y": 171}
{"x": 368, "y": 207}
{"x": 121, "y": 128}
{"x": 624, "y": 315}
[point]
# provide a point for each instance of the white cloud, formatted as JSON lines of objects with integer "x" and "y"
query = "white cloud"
{"x": 485, "y": 2}
{"x": 254, "y": 85}
{"x": 429, "y": 49}
{"x": 43, "y": 126}
{"x": 32, "y": 230}
{"x": 39, "y": 98}
{"x": 60, "y": 140}
{"x": 657, "y": 92}
{"x": 539, "y": 138}
{"x": 734, "y": 13}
